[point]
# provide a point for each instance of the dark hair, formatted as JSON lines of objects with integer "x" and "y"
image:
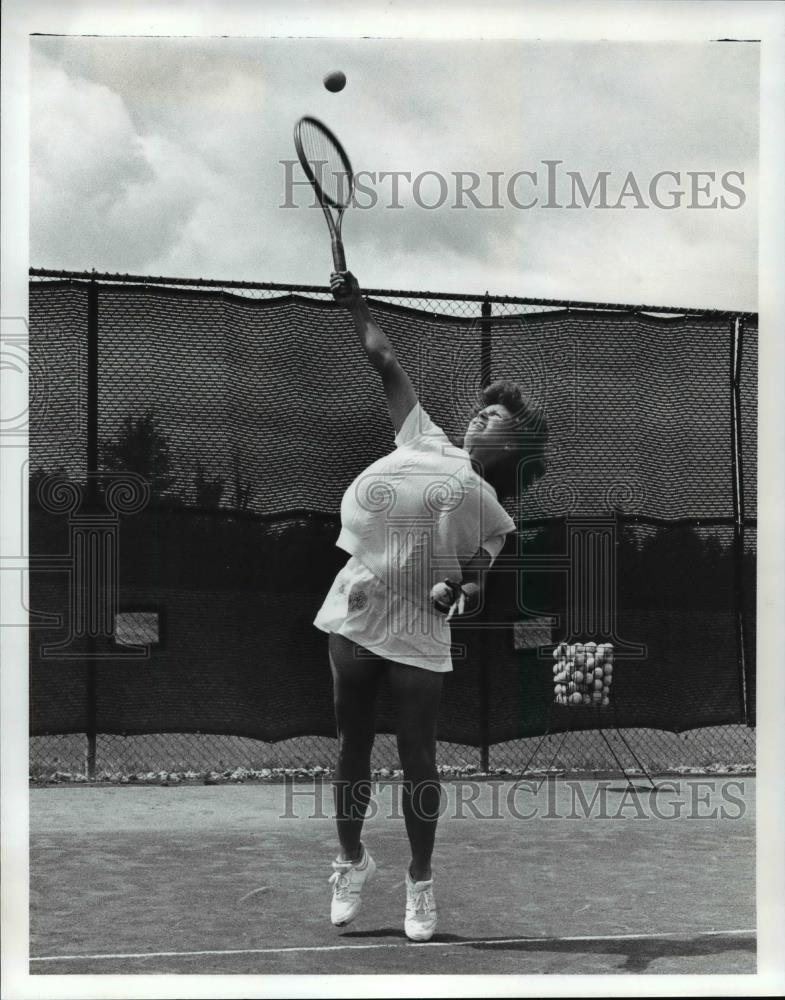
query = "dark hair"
{"x": 527, "y": 459}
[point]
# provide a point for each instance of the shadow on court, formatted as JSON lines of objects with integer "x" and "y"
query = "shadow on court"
{"x": 580, "y": 877}
{"x": 638, "y": 954}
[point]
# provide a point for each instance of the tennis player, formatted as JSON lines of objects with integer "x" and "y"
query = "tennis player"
{"x": 422, "y": 525}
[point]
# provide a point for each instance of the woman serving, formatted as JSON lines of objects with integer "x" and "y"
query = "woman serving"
{"x": 422, "y": 525}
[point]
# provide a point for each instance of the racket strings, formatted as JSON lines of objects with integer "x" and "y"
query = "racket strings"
{"x": 327, "y": 164}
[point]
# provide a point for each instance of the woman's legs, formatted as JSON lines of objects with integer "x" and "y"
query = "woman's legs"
{"x": 355, "y": 686}
{"x": 417, "y": 693}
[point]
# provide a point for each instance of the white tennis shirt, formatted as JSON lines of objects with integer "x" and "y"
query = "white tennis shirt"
{"x": 410, "y": 519}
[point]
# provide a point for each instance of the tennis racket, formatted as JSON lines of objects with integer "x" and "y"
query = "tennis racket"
{"x": 327, "y": 167}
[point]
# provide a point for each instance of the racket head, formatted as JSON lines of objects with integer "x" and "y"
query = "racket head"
{"x": 325, "y": 162}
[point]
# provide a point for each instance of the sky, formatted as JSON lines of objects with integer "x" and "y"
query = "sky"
{"x": 164, "y": 156}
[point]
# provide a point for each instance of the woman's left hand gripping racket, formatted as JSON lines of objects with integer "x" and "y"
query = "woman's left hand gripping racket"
{"x": 327, "y": 167}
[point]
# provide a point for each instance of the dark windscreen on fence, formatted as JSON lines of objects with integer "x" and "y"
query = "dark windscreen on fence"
{"x": 247, "y": 418}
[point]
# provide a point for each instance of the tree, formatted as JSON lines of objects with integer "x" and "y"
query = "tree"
{"x": 208, "y": 491}
{"x": 141, "y": 447}
{"x": 242, "y": 490}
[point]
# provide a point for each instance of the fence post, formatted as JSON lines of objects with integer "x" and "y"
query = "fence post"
{"x": 737, "y": 471}
{"x": 485, "y": 679}
{"x": 92, "y": 505}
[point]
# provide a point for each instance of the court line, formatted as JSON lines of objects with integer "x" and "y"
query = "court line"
{"x": 481, "y": 942}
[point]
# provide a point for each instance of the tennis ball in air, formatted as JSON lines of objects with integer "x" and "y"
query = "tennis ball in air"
{"x": 335, "y": 81}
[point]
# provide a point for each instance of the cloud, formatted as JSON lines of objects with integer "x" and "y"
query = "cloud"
{"x": 101, "y": 194}
{"x": 164, "y": 155}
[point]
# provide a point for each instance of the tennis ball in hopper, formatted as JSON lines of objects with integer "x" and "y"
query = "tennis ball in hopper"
{"x": 335, "y": 81}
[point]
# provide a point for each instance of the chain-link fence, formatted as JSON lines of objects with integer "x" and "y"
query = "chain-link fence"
{"x": 189, "y": 756}
{"x": 652, "y": 419}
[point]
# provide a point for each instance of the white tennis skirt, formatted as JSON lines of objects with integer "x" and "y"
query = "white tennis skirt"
{"x": 362, "y": 608}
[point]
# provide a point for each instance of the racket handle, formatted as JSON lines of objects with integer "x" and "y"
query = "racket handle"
{"x": 339, "y": 259}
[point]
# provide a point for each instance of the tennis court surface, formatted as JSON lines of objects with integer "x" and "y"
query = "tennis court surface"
{"x": 581, "y": 877}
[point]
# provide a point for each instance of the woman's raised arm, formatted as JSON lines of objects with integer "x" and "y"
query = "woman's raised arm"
{"x": 400, "y": 393}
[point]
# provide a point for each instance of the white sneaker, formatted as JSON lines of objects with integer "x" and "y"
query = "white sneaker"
{"x": 420, "y": 922}
{"x": 347, "y": 880}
